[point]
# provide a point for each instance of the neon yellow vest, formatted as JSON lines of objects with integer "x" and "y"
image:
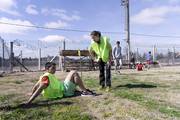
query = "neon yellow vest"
{"x": 102, "y": 49}
{"x": 55, "y": 88}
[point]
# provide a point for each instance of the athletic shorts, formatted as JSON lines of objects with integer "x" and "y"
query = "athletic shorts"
{"x": 69, "y": 88}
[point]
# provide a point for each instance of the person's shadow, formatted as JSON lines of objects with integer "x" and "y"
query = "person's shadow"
{"x": 43, "y": 103}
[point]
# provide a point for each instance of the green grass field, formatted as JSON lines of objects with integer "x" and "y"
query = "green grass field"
{"x": 146, "y": 95}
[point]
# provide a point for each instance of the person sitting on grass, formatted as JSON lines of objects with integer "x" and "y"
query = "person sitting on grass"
{"x": 52, "y": 88}
{"x": 139, "y": 66}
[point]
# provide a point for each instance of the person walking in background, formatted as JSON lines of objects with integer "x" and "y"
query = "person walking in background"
{"x": 101, "y": 50}
{"x": 149, "y": 59}
{"x": 117, "y": 56}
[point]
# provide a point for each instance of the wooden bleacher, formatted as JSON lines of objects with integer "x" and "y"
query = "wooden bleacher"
{"x": 72, "y": 60}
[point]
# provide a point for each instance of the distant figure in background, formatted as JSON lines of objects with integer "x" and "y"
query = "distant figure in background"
{"x": 117, "y": 56}
{"x": 149, "y": 59}
{"x": 132, "y": 61}
{"x": 139, "y": 66}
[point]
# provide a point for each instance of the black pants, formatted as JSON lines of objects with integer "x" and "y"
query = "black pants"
{"x": 105, "y": 74}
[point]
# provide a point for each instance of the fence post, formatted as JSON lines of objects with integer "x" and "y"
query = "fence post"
{"x": 60, "y": 60}
{"x": 39, "y": 60}
{"x": 168, "y": 56}
{"x": 21, "y": 61}
{"x": 3, "y": 55}
{"x": 64, "y": 57}
{"x": 11, "y": 57}
{"x": 137, "y": 55}
{"x": 173, "y": 56}
{"x": 154, "y": 53}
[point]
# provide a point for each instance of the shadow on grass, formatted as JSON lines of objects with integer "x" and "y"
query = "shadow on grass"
{"x": 42, "y": 103}
{"x": 136, "y": 86}
{"x": 45, "y": 103}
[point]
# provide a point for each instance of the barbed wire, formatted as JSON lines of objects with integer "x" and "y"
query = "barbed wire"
{"x": 78, "y": 30}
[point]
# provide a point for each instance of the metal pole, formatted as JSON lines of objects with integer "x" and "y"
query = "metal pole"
{"x": 125, "y": 3}
{"x": 60, "y": 60}
{"x": 64, "y": 44}
{"x": 174, "y": 51}
{"x": 11, "y": 57}
{"x": 168, "y": 55}
{"x": 154, "y": 53}
{"x": 39, "y": 60}
{"x": 137, "y": 55}
{"x": 79, "y": 53}
{"x": 128, "y": 30}
{"x": 3, "y": 46}
{"x": 21, "y": 61}
{"x": 64, "y": 47}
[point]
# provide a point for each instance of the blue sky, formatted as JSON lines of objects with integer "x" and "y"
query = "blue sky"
{"x": 157, "y": 17}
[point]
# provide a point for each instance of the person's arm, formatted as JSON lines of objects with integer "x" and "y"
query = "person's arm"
{"x": 40, "y": 85}
{"x": 36, "y": 93}
{"x": 92, "y": 53}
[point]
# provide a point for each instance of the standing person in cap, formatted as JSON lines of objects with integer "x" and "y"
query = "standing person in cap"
{"x": 117, "y": 56}
{"x": 101, "y": 50}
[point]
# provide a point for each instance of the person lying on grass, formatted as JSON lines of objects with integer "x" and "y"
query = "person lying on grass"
{"x": 52, "y": 88}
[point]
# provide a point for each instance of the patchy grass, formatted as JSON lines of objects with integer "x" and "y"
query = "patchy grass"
{"x": 6, "y": 98}
{"x": 57, "y": 109}
{"x": 123, "y": 91}
{"x": 147, "y": 95}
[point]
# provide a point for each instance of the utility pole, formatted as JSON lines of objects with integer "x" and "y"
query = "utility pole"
{"x": 125, "y": 3}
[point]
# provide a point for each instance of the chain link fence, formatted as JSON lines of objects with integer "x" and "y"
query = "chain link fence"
{"x": 4, "y": 56}
{"x": 32, "y": 55}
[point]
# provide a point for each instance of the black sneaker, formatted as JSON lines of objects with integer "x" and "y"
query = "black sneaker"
{"x": 86, "y": 93}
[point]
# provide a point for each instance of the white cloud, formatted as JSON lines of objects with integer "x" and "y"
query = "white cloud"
{"x": 45, "y": 11}
{"x": 8, "y": 6}
{"x": 61, "y": 13}
{"x": 14, "y": 29}
{"x": 154, "y": 16}
{"x": 54, "y": 11}
{"x": 58, "y": 11}
{"x": 69, "y": 18}
{"x": 58, "y": 24}
{"x": 31, "y": 9}
{"x": 174, "y": 1}
{"x": 53, "y": 38}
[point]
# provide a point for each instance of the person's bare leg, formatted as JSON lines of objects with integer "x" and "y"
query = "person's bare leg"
{"x": 74, "y": 77}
